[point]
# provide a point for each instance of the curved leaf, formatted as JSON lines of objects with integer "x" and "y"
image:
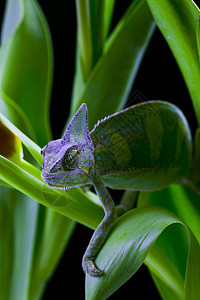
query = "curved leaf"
{"x": 33, "y": 148}
{"x": 72, "y": 203}
{"x": 16, "y": 115}
{"x": 18, "y": 224}
{"x": 185, "y": 204}
{"x": 109, "y": 83}
{"x": 109, "y": 8}
{"x": 10, "y": 145}
{"x": 131, "y": 238}
{"x": 178, "y": 199}
{"x": 54, "y": 239}
{"x": 26, "y": 71}
{"x": 26, "y": 64}
{"x": 178, "y": 21}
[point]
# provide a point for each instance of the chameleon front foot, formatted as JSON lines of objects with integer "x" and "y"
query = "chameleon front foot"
{"x": 90, "y": 268}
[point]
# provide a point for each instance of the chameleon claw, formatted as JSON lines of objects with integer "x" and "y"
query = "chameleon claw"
{"x": 90, "y": 268}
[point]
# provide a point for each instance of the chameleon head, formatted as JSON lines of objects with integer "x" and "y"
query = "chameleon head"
{"x": 68, "y": 162}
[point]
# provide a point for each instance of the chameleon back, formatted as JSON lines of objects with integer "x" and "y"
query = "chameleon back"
{"x": 144, "y": 147}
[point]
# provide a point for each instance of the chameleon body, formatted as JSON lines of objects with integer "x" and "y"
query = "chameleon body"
{"x": 144, "y": 147}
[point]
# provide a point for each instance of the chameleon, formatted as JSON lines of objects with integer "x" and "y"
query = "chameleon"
{"x": 144, "y": 147}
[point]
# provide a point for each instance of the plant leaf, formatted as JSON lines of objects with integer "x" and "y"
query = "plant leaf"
{"x": 131, "y": 238}
{"x": 109, "y": 8}
{"x": 16, "y": 115}
{"x": 18, "y": 228}
{"x": 109, "y": 83}
{"x": 198, "y": 36}
{"x": 72, "y": 203}
{"x": 177, "y": 20}
{"x": 26, "y": 64}
{"x": 10, "y": 145}
{"x": 26, "y": 51}
{"x": 165, "y": 292}
{"x": 84, "y": 36}
{"x": 26, "y": 178}
{"x": 94, "y": 19}
{"x": 179, "y": 200}
{"x": 185, "y": 204}
{"x": 54, "y": 238}
{"x": 30, "y": 145}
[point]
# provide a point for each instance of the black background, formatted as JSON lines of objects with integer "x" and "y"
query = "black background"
{"x": 158, "y": 79}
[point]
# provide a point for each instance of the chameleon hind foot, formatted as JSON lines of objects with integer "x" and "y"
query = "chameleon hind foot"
{"x": 90, "y": 268}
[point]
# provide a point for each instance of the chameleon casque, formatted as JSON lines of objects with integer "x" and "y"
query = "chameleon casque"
{"x": 144, "y": 147}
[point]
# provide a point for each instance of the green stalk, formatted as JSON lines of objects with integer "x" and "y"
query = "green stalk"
{"x": 97, "y": 22}
{"x": 129, "y": 199}
{"x": 108, "y": 13}
{"x": 84, "y": 35}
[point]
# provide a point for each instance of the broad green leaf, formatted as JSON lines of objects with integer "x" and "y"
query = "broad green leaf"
{"x": 131, "y": 238}
{"x": 177, "y": 20}
{"x": 72, "y": 203}
{"x": 198, "y": 36}
{"x": 193, "y": 181}
{"x": 26, "y": 64}
{"x": 179, "y": 200}
{"x": 109, "y": 8}
{"x": 30, "y": 145}
{"x": 18, "y": 223}
{"x": 18, "y": 213}
{"x": 185, "y": 204}
{"x": 10, "y": 145}
{"x": 55, "y": 237}
{"x": 6, "y": 242}
{"x": 93, "y": 20}
{"x": 16, "y": 115}
{"x": 26, "y": 55}
{"x": 165, "y": 269}
{"x": 11, "y": 19}
{"x": 165, "y": 292}
{"x": 109, "y": 83}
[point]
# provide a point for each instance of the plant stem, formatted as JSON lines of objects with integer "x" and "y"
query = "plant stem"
{"x": 193, "y": 185}
{"x": 129, "y": 198}
{"x": 84, "y": 35}
{"x": 97, "y": 22}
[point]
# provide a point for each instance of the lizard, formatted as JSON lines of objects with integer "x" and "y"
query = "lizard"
{"x": 127, "y": 150}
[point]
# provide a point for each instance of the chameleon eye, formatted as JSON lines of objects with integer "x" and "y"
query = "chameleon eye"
{"x": 42, "y": 152}
{"x": 71, "y": 158}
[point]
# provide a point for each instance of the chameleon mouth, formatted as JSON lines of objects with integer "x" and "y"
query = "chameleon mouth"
{"x": 64, "y": 188}
{"x": 64, "y": 179}
{"x": 52, "y": 175}
{"x": 48, "y": 178}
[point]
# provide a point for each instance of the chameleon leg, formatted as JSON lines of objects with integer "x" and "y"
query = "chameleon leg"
{"x": 102, "y": 230}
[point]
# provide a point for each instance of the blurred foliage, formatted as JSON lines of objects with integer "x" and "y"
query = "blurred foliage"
{"x": 163, "y": 231}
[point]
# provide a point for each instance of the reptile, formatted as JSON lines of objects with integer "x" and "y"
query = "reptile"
{"x": 144, "y": 147}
